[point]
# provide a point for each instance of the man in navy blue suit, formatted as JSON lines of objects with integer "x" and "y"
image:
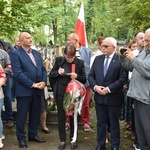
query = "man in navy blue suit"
{"x": 30, "y": 78}
{"x": 107, "y": 78}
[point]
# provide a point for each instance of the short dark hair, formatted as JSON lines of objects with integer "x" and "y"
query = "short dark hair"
{"x": 2, "y": 42}
{"x": 136, "y": 34}
{"x": 70, "y": 50}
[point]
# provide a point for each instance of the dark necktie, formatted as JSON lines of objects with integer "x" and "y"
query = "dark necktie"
{"x": 106, "y": 65}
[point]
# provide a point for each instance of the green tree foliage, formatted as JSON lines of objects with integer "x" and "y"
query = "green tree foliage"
{"x": 14, "y": 17}
{"x": 130, "y": 15}
{"x": 117, "y": 18}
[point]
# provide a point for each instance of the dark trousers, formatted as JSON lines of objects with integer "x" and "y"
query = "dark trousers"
{"x": 7, "y": 98}
{"x": 133, "y": 124}
{"x": 25, "y": 105}
{"x": 62, "y": 120}
{"x": 142, "y": 120}
{"x": 105, "y": 112}
{"x": 71, "y": 127}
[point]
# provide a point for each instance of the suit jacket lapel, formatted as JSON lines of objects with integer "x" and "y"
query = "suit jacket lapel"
{"x": 102, "y": 64}
{"x": 27, "y": 56}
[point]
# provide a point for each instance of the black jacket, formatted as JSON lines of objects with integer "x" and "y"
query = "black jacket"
{"x": 60, "y": 82}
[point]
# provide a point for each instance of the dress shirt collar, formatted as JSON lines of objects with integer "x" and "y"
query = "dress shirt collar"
{"x": 110, "y": 56}
{"x": 29, "y": 51}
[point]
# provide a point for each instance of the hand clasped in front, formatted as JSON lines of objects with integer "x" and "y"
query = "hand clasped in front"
{"x": 101, "y": 90}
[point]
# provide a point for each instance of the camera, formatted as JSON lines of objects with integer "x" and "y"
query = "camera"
{"x": 123, "y": 50}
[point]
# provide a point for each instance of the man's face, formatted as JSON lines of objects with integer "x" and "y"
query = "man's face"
{"x": 17, "y": 42}
{"x": 147, "y": 40}
{"x": 107, "y": 47}
{"x": 26, "y": 40}
{"x": 140, "y": 39}
{"x": 71, "y": 40}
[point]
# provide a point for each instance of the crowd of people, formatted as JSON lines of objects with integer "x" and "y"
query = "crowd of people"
{"x": 118, "y": 78}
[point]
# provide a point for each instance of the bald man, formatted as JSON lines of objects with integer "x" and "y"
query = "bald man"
{"x": 30, "y": 79}
{"x": 16, "y": 43}
{"x": 139, "y": 38}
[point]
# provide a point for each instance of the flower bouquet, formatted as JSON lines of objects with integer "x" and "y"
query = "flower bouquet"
{"x": 73, "y": 100}
{"x": 75, "y": 93}
{"x": 51, "y": 106}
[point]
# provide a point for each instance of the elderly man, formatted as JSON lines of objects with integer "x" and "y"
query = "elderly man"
{"x": 107, "y": 78}
{"x": 139, "y": 90}
{"x": 139, "y": 38}
{"x": 30, "y": 78}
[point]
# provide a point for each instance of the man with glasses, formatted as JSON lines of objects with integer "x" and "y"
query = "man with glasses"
{"x": 107, "y": 78}
{"x": 139, "y": 89}
{"x": 139, "y": 39}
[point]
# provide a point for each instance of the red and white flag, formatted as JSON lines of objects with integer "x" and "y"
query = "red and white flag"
{"x": 80, "y": 27}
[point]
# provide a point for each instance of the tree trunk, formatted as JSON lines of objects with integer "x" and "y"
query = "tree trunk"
{"x": 54, "y": 23}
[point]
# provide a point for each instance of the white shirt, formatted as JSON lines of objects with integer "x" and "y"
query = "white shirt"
{"x": 93, "y": 57}
{"x": 110, "y": 58}
{"x": 78, "y": 54}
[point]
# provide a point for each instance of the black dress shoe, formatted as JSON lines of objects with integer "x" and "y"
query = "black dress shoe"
{"x": 100, "y": 148}
{"x": 62, "y": 146}
{"x": 73, "y": 145}
{"x": 22, "y": 144}
{"x": 36, "y": 139}
{"x": 46, "y": 131}
{"x": 10, "y": 123}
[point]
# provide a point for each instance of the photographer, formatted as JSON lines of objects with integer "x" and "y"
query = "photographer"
{"x": 139, "y": 89}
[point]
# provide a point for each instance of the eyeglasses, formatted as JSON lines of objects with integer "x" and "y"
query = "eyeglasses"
{"x": 106, "y": 46}
{"x": 148, "y": 41}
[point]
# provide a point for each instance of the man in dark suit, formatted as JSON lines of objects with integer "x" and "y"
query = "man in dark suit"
{"x": 30, "y": 78}
{"x": 107, "y": 79}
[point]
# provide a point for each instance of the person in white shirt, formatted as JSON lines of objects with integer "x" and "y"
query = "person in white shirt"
{"x": 98, "y": 52}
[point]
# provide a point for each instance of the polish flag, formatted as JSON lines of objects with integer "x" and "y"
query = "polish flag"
{"x": 80, "y": 27}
